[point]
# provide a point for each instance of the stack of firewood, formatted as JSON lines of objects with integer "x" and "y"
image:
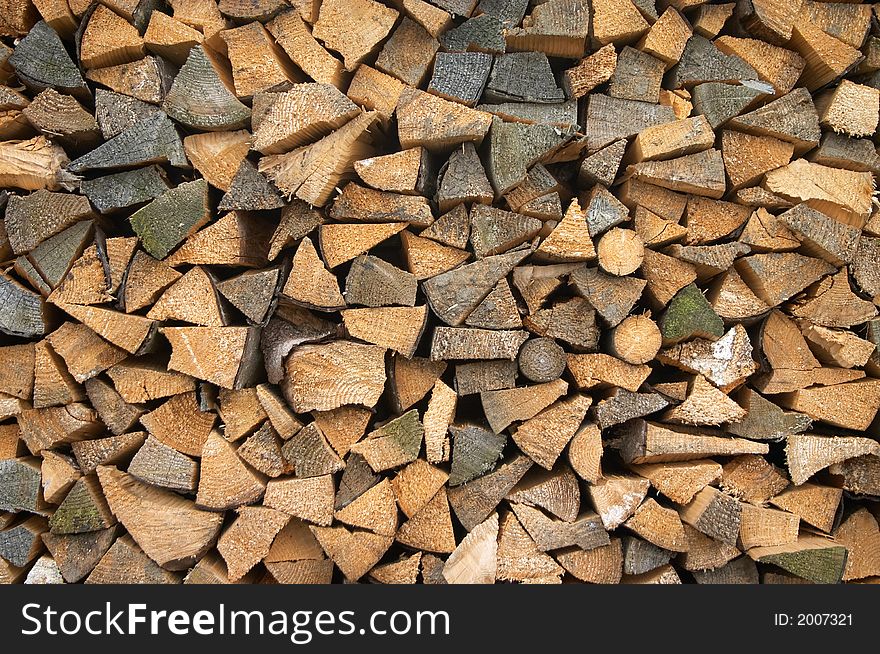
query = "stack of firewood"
{"x": 459, "y": 291}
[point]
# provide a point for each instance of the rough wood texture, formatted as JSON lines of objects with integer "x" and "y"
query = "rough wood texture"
{"x": 150, "y": 516}
{"x": 487, "y": 290}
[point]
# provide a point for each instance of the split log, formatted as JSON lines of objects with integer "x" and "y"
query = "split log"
{"x": 617, "y": 497}
{"x": 658, "y": 525}
{"x": 217, "y": 155}
{"x": 802, "y": 181}
{"x": 859, "y": 474}
{"x": 613, "y": 297}
{"x": 108, "y": 40}
{"x": 832, "y": 303}
{"x": 826, "y": 57}
{"x": 324, "y": 377}
{"x": 670, "y": 140}
{"x": 591, "y": 370}
{"x": 300, "y": 116}
{"x": 561, "y": 420}
{"x": 585, "y": 531}
{"x": 555, "y": 491}
{"x": 106, "y": 451}
{"x": 484, "y": 376}
{"x": 188, "y": 201}
{"x": 44, "y": 571}
{"x": 640, "y": 556}
{"x": 20, "y": 544}
{"x": 411, "y": 379}
{"x": 858, "y": 534}
{"x": 84, "y": 509}
{"x": 764, "y": 420}
{"x": 590, "y": 72}
{"x": 751, "y": 478}
{"x": 705, "y": 405}
{"x": 419, "y": 122}
{"x": 791, "y": 118}
{"x": 118, "y": 415}
{"x": 125, "y": 562}
{"x": 170, "y": 38}
{"x": 811, "y": 557}
{"x": 702, "y": 62}
{"x": 310, "y": 499}
{"x": 748, "y": 157}
{"x": 646, "y": 442}
{"x": 809, "y": 453}
{"x": 76, "y": 555}
{"x": 375, "y": 91}
{"x": 475, "y": 501}
{"x": 531, "y": 143}
{"x": 475, "y": 451}
{"x": 41, "y": 61}
{"x": 21, "y": 485}
{"x": 408, "y": 53}
{"x": 617, "y": 24}
{"x": 354, "y": 552}
{"x": 312, "y": 172}
{"x": 481, "y": 34}
{"x": 739, "y": 571}
{"x": 237, "y": 239}
{"x": 558, "y": 29}
{"x": 474, "y": 561}
{"x": 148, "y": 79}
{"x": 430, "y": 529}
{"x": 623, "y": 405}
{"x": 840, "y": 151}
{"x": 700, "y": 174}
{"x": 394, "y": 444}
{"x": 225, "y": 482}
{"x": 291, "y": 33}
{"x": 360, "y": 204}
{"x": 603, "y": 125}
{"x": 714, "y": 514}
{"x": 518, "y": 556}
{"x": 353, "y": 31}
{"x": 667, "y": 37}
{"x": 602, "y": 565}
{"x": 767, "y": 527}
{"x": 816, "y": 505}
{"x": 416, "y": 485}
{"x": 150, "y": 516}
{"x": 399, "y": 172}
{"x": 160, "y": 465}
{"x": 45, "y": 428}
{"x": 201, "y": 99}
{"x": 601, "y": 167}
{"x": 60, "y": 115}
{"x": 226, "y": 356}
{"x": 680, "y": 481}
{"x": 180, "y": 423}
{"x": 257, "y": 63}
{"x": 309, "y": 453}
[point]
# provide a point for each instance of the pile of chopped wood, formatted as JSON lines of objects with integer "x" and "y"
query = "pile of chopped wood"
{"x": 459, "y": 291}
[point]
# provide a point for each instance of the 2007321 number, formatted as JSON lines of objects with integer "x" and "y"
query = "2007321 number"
{"x": 823, "y": 619}
{"x": 813, "y": 620}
